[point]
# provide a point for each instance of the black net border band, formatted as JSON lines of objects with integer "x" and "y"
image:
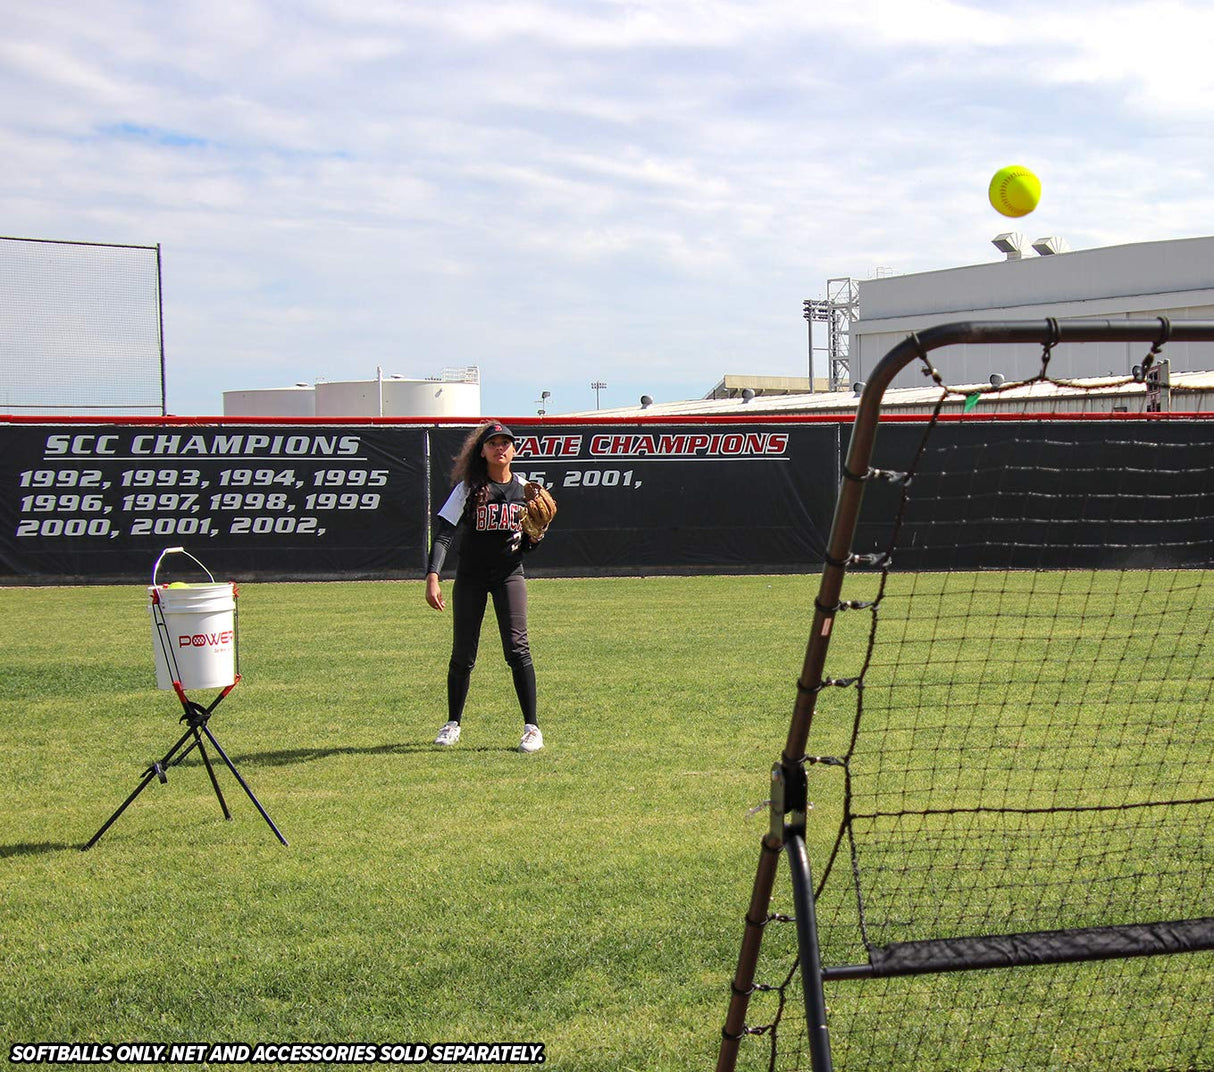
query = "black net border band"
{"x": 1040, "y": 947}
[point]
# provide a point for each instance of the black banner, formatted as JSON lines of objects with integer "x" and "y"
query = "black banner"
{"x": 98, "y": 502}
{"x": 1052, "y": 494}
{"x": 631, "y": 498}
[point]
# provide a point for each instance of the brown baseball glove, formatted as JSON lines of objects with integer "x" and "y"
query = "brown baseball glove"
{"x": 541, "y": 509}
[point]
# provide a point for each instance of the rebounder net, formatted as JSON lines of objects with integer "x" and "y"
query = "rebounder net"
{"x": 80, "y": 328}
{"x": 1011, "y": 758}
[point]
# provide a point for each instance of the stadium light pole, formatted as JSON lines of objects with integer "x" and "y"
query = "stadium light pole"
{"x": 596, "y": 387}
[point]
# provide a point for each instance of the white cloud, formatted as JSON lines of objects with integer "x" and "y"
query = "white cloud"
{"x": 543, "y": 188}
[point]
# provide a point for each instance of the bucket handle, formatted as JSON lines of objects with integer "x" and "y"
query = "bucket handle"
{"x": 178, "y": 551}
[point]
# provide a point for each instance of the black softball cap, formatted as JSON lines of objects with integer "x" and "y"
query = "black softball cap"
{"x": 495, "y": 428}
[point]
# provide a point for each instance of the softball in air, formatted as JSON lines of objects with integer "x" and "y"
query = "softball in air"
{"x": 1015, "y": 191}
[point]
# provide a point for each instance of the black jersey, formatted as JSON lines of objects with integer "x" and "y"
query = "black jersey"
{"x": 491, "y": 540}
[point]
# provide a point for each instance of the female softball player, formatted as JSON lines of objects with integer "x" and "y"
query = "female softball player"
{"x": 485, "y": 509}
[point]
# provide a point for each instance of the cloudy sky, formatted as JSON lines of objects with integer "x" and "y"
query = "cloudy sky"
{"x": 634, "y": 192}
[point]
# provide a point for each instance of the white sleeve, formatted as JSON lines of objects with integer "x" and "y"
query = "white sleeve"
{"x": 453, "y": 508}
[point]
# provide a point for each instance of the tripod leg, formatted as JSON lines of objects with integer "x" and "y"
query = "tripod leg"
{"x": 196, "y": 715}
{"x": 154, "y": 771}
{"x": 211, "y": 772}
{"x": 243, "y": 784}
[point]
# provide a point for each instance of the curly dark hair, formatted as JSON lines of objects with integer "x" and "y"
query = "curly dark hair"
{"x": 470, "y": 466}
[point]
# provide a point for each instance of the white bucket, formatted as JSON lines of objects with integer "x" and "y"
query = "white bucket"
{"x": 194, "y": 634}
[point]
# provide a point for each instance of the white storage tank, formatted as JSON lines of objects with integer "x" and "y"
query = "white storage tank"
{"x": 457, "y": 393}
{"x": 297, "y": 401}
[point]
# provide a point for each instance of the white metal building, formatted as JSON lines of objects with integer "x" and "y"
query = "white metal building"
{"x": 1138, "y": 281}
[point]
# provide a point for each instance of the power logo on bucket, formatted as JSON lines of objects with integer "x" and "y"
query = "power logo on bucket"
{"x": 207, "y": 640}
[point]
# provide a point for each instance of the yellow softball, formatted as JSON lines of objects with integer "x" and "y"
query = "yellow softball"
{"x": 1015, "y": 191}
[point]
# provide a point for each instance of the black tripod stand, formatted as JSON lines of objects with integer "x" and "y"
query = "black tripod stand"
{"x": 196, "y": 717}
{"x": 208, "y": 621}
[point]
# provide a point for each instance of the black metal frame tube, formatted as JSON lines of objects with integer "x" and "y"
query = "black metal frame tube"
{"x": 807, "y": 949}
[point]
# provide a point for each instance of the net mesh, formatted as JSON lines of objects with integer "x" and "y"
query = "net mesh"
{"x": 80, "y": 328}
{"x": 1016, "y": 739}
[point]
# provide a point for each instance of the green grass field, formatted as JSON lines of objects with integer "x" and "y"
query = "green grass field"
{"x": 589, "y": 897}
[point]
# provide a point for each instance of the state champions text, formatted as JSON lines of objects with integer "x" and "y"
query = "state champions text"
{"x": 648, "y": 445}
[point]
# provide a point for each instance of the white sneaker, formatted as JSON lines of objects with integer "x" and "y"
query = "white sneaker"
{"x": 449, "y": 734}
{"x": 532, "y": 740}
